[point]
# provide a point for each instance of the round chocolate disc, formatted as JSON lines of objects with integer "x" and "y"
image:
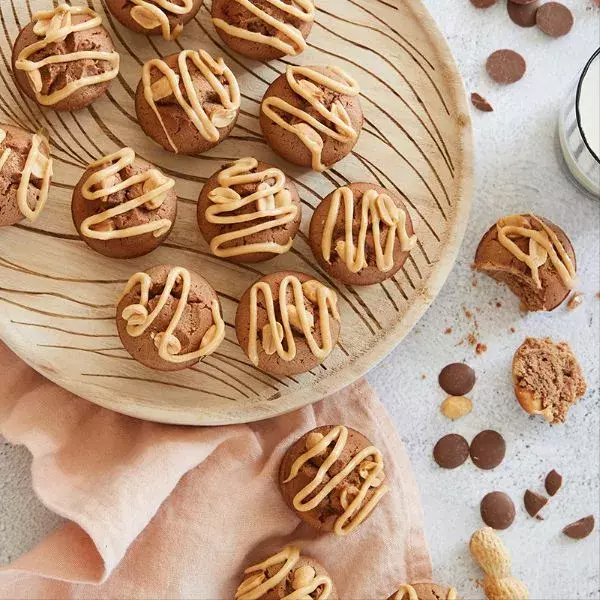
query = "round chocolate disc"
{"x": 580, "y": 529}
{"x": 451, "y": 451}
{"x": 523, "y": 15}
{"x": 457, "y": 379}
{"x": 553, "y": 482}
{"x": 488, "y": 449}
{"x": 497, "y": 510}
{"x": 554, "y": 19}
{"x": 505, "y": 66}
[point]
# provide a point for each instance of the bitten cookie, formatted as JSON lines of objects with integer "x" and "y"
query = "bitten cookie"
{"x": 169, "y": 318}
{"x": 532, "y": 256}
{"x": 332, "y": 478}
{"x": 249, "y": 211}
{"x": 65, "y": 59}
{"x": 187, "y": 102}
{"x": 312, "y": 116}
{"x": 361, "y": 234}
{"x": 264, "y": 29}
{"x": 123, "y": 206}
{"x": 25, "y": 174}
{"x": 155, "y": 17}
{"x": 547, "y": 378}
{"x": 287, "y": 574}
{"x": 424, "y": 591}
{"x": 287, "y": 323}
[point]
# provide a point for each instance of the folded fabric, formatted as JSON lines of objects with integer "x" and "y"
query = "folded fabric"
{"x": 163, "y": 511}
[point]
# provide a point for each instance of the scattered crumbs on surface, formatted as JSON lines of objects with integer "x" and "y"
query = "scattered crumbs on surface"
{"x": 472, "y": 339}
{"x": 480, "y": 348}
{"x": 448, "y": 330}
{"x": 467, "y": 312}
{"x": 498, "y": 304}
{"x": 477, "y": 310}
{"x": 474, "y": 282}
{"x": 575, "y": 300}
{"x": 512, "y": 330}
{"x": 423, "y": 376}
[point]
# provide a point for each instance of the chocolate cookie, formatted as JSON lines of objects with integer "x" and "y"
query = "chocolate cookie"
{"x": 249, "y": 211}
{"x": 187, "y": 102}
{"x": 264, "y": 29}
{"x": 332, "y": 478}
{"x": 155, "y": 17}
{"x": 157, "y": 331}
{"x": 287, "y": 323}
{"x": 312, "y": 116}
{"x": 532, "y": 256}
{"x": 65, "y": 59}
{"x": 547, "y": 378}
{"x": 123, "y": 206}
{"x": 361, "y": 234}
{"x": 25, "y": 174}
{"x": 425, "y": 591}
{"x": 286, "y": 574}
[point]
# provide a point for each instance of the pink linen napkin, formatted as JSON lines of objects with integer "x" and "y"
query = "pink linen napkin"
{"x": 163, "y": 511}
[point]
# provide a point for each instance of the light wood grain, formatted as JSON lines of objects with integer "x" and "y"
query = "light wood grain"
{"x": 57, "y": 297}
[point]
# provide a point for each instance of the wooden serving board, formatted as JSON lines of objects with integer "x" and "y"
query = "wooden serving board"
{"x": 57, "y": 297}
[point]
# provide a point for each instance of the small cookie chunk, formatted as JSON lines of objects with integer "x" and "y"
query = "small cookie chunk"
{"x": 580, "y": 529}
{"x": 547, "y": 378}
{"x": 456, "y": 407}
{"x": 554, "y": 19}
{"x": 487, "y": 449}
{"x": 25, "y": 174}
{"x": 497, "y": 510}
{"x": 285, "y": 574}
{"x": 483, "y": 3}
{"x": 522, "y": 14}
{"x": 505, "y": 66}
{"x": 150, "y": 327}
{"x": 553, "y": 482}
{"x": 264, "y": 29}
{"x": 312, "y": 116}
{"x": 451, "y": 451}
{"x": 187, "y": 102}
{"x": 349, "y": 234}
{"x": 480, "y": 103}
{"x": 534, "y": 502}
{"x": 249, "y": 211}
{"x": 291, "y": 333}
{"x": 457, "y": 379}
{"x": 155, "y": 17}
{"x": 123, "y": 206}
{"x": 424, "y": 591}
{"x": 532, "y": 256}
{"x": 342, "y": 465}
{"x": 64, "y": 59}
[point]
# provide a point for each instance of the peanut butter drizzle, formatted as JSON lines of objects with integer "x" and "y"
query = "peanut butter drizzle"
{"x": 169, "y": 84}
{"x": 292, "y": 315}
{"x": 100, "y": 185}
{"x": 371, "y": 471}
{"x": 307, "y": 88}
{"x": 55, "y": 26}
{"x": 304, "y": 580}
{"x": 542, "y": 245}
{"x": 37, "y": 164}
{"x": 379, "y": 207}
{"x": 138, "y": 319}
{"x": 407, "y": 592}
{"x": 149, "y": 16}
{"x": 273, "y": 202}
{"x": 303, "y": 10}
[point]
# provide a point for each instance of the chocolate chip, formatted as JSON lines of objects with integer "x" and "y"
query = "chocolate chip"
{"x": 451, "y": 451}
{"x": 457, "y": 379}
{"x": 480, "y": 103}
{"x": 553, "y": 482}
{"x": 580, "y": 529}
{"x": 488, "y": 449}
{"x": 483, "y": 3}
{"x": 554, "y": 19}
{"x": 523, "y": 14}
{"x": 497, "y": 510}
{"x": 534, "y": 503}
{"x": 505, "y": 66}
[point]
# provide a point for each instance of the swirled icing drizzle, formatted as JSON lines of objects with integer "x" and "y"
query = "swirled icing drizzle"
{"x": 376, "y": 208}
{"x": 305, "y": 82}
{"x": 38, "y": 164}
{"x": 292, "y": 316}
{"x": 152, "y": 15}
{"x": 211, "y": 70}
{"x": 291, "y": 42}
{"x": 103, "y": 183}
{"x": 369, "y": 464}
{"x": 54, "y": 26}
{"x": 273, "y": 208}
{"x": 139, "y": 319}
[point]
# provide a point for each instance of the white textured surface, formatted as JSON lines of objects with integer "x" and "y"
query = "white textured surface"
{"x": 517, "y": 169}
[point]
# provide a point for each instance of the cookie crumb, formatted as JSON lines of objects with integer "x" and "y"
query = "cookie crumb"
{"x": 480, "y": 103}
{"x": 575, "y": 300}
{"x": 423, "y": 376}
{"x": 448, "y": 330}
{"x": 512, "y": 329}
{"x": 480, "y": 348}
{"x": 498, "y": 304}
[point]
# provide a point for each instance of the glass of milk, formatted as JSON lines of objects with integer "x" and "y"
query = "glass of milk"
{"x": 579, "y": 128}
